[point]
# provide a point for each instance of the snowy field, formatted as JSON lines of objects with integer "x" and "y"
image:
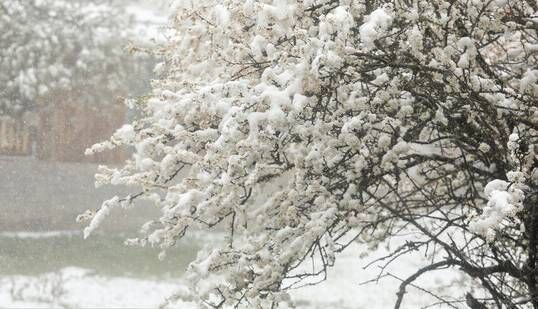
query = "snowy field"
{"x": 45, "y": 263}
{"x": 73, "y": 286}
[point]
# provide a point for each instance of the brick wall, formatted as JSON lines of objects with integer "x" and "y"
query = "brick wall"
{"x": 65, "y": 130}
{"x": 15, "y": 137}
{"x": 62, "y": 131}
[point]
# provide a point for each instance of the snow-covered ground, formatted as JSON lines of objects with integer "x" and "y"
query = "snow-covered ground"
{"x": 74, "y": 287}
{"x": 349, "y": 285}
{"x": 79, "y": 287}
{"x": 45, "y": 263}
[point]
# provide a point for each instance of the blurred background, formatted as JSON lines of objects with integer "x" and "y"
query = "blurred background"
{"x": 66, "y": 68}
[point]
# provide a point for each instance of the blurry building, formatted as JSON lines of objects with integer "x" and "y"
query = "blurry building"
{"x": 62, "y": 123}
{"x": 62, "y": 131}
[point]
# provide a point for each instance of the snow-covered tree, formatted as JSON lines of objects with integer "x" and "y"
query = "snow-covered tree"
{"x": 50, "y": 48}
{"x": 300, "y": 127}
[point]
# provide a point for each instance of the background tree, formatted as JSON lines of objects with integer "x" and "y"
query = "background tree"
{"x": 303, "y": 126}
{"x": 51, "y": 48}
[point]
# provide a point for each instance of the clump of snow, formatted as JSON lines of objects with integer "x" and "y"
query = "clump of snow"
{"x": 125, "y": 134}
{"x": 529, "y": 81}
{"x": 503, "y": 201}
{"x": 485, "y": 148}
{"x": 100, "y": 216}
{"x": 469, "y": 52}
{"x": 222, "y": 15}
{"x": 374, "y": 26}
{"x": 495, "y": 186}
